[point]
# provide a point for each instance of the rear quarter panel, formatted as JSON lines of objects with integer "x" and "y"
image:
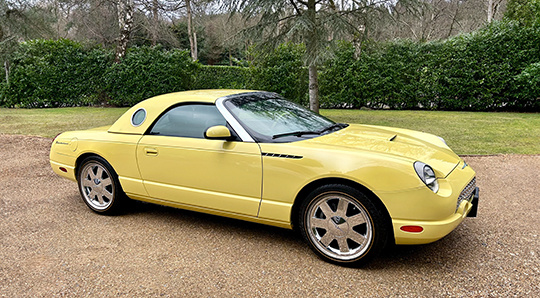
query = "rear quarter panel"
{"x": 118, "y": 149}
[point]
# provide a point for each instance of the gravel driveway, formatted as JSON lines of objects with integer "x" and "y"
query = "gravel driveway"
{"x": 52, "y": 244}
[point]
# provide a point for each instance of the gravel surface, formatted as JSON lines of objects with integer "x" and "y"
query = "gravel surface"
{"x": 51, "y": 244}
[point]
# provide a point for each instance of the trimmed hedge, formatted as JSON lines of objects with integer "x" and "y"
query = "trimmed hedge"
{"x": 495, "y": 68}
{"x": 221, "y": 77}
{"x": 282, "y": 71}
{"x": 47, "y": 73}
{"x": 490, "y": 69}
{"x": 146, "y": 72}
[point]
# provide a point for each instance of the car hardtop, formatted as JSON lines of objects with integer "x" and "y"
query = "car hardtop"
{"x": 154, "y": 107}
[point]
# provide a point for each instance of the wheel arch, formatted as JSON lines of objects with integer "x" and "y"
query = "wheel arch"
{"x": 81, "y": 158}
{"x": 324, "y": 181}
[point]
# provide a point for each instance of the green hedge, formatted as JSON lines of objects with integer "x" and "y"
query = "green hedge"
{"x": 146, "y": 72}
{"x": 527, "y": 87}
{"x": 220, "y": 77}
{"x": 495, "y": 68}
{"x": 490, "y": 69}
{"x": 282, "y": 71}
{"x": 48, "y": 73}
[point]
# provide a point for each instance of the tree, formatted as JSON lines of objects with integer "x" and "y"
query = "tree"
{"x": 125, "y": 22}
{"x": 492, "y": 8}
{"x": 526, "y": 12}
{"x": 19, "y": 21}
{"x": 316, "y": 23}
{"x": 192, "y": 35}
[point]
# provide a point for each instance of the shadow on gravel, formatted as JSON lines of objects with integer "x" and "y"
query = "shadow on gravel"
{"x": 441, "y": 254}
{"x": 219, "y": 224}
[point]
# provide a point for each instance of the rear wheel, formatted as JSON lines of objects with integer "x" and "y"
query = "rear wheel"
{"x": 342, "y": 225}
{"x": 99, "y": 186}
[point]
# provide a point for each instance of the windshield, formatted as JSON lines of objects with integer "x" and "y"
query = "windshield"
{"x": 269, "y": 118}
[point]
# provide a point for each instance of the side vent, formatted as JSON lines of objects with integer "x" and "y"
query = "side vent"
{"x": 281, "y": 155}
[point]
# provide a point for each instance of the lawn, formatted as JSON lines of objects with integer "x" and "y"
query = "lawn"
{"x": 465, "y": 132}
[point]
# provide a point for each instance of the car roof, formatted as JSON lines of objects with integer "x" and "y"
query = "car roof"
{"x": 156, "y": 105}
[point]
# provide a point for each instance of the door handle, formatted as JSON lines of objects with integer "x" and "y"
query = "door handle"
{"x": 151, "y": 151}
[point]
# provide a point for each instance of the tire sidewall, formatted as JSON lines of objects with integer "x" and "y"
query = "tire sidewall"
{"x": 117, "y": 190}
{"x": 379, "y": 230}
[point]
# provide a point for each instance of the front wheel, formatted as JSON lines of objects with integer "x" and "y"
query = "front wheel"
{"x": 342, "y": 225}
{"x": 99, "y": 186}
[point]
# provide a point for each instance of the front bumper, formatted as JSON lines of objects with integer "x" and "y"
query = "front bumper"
{"x": 435, "y": 230}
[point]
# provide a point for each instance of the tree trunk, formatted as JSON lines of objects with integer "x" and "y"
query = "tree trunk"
{"x": 6, "y": 68}
{"x": 192, "y": 36}
{"x": 313, "y": 89}
{"x": 312, "y": 52}
{"x": 490, "y": 11}
{"x": 125, "y": 22}
{"x": 155, "y": 21}
{"x": 195, "y": 47}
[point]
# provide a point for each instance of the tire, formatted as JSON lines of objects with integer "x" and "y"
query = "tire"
{"x": 99, "y": 186}
{"x": 342, "y": 225}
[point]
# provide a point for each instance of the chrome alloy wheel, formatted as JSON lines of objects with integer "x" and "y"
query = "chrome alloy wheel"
{"x": 96, "y": 185}
{"x": 339, "y": 226}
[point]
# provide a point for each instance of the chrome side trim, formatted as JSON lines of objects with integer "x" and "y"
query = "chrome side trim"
{"x": 268, "y": 154}
{"x": 242, "y": 133}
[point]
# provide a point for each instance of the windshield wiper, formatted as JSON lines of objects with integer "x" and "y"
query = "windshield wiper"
{"x": 334, "y": 126}
{"x": 307, "y": 132}
{"x": 295, "y": 133}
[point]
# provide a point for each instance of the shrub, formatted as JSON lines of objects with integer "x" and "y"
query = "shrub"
{"x": 48, "y": 73}
{"x": 146, "y": 72}
{"x": 527, "y": 87}
{"x": 282, "y": 71}
{"x": 222, "y": 77}
{"x": 474, "y": 71}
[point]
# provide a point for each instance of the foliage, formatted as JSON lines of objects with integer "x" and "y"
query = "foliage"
{"x": 496, "y": 68}
{"x": 385, "y": 75}
{"x": 221, "y": 77}
{"x": 281, "y": 71}
{"x": 146, "y": 72}
{"x": 469, "y": 72}
{"x": 526, "y": 12}
{"x": 528, "y": 86}
{"x": 48, "y": 73}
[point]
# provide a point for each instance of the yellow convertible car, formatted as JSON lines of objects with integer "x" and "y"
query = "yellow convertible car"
{"x": 251, "y": 155}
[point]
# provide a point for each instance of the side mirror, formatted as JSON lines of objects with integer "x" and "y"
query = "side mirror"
{"x": 218, "y": 132}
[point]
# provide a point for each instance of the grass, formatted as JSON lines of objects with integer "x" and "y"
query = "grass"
{"x": 50, "y": 122}
{"x": 465, "y": 132}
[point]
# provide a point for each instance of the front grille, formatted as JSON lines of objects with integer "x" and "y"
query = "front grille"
{"x": 467, "y": 192}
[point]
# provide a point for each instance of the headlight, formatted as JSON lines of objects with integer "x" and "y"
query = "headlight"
{"x": 427, "y": 175}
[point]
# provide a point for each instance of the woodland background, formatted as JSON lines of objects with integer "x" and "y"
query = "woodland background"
{"x": 406, "y": 54}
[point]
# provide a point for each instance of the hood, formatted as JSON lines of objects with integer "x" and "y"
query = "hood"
{"x": 415, "y": 145}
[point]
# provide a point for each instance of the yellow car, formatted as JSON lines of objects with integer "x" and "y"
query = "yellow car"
{"x": 252, "y": 155}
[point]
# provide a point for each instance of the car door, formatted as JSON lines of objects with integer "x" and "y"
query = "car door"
{"x": 178, "y": 164}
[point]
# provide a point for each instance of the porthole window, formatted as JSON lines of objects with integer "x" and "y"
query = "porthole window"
{"x": 138, "y": 117}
